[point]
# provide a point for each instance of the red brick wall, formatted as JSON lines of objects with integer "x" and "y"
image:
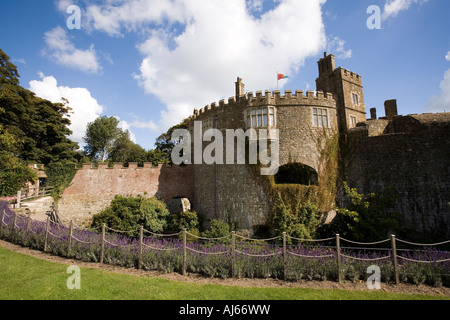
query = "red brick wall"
{"x": 92, "y": 189}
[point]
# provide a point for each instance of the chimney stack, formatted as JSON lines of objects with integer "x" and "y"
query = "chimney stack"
{"x": 390, "y": 108}
{"x": 240, "y": 88}
{"x": 373, "y": 113}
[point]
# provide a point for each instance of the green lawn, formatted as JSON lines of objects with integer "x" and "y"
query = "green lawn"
{"x": 29, "y": 278}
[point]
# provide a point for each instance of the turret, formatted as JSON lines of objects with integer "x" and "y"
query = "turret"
{"x": 240, "y": 88}
{"x": 347, "y": 89}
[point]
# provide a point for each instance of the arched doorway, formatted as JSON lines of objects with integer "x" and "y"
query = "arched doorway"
{"x": 297, "y": 173}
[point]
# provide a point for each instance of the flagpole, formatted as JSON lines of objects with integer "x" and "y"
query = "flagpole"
{"x": 277, "y": 81}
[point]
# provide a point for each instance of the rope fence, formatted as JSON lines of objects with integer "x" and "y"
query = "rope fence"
{"x": 76, "y": 233}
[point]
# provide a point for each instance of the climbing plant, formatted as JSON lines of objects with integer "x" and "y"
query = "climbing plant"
{"x": 297, "y": 208}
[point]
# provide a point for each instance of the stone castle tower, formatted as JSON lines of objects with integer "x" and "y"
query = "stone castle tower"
{"x": 347, "y": 89}
{"x": 231, "y": 192}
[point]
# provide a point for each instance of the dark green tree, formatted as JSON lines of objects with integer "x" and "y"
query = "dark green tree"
{"x": 14, "y": 173}
{"x": 124, "y": 150}
{"x": 165, "y": 144}
{"x": 156, "y": 157}
{"x": 42, "y": 127}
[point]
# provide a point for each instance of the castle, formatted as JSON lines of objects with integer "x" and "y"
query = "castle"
{"x": 410, "y": 153}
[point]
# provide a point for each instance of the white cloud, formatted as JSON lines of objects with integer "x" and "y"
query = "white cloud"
{"x": 441, "y": 102}
{"x": 150, "y": 125}
{"x": 255, "y": 5}
{"x": 337, "y": 45}
{"x": 196, "y": 49}
{"x": 393, "y": 7}
{"x": 84, "y": 107}
{"x": 62, "y": 50}
{"x": 112, "y": 16}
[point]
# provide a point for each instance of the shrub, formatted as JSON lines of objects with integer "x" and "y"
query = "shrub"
{"x": 302, "y": 222}
{"x": 184, "y": 220}
{"x": 129, "y": 213}
{"x": 367, "y": 217}
{"x": 219, "y": 228}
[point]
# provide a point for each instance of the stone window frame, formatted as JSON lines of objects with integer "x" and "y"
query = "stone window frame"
{"x": 353, "y": 121}
{"x": 355, "y": 99}
{"x": 318, "y": 116}
{"x": 261, "y": 117}
{"x": 207, "y": 124}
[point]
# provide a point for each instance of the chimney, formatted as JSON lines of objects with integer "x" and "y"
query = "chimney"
{"x": 373, "y": 113}
{"x": 390, "y": 108}
{"x": 240, "y": 88}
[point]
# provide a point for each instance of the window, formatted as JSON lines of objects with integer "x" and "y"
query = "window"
{"x": 261, "y": 117}
{"x": 355, "y": 99}
{"x": 320, "y": 117}
{"x": 271, "y": 116}
{"x": 207, "y": 124}
{"x": 353, "y": 122}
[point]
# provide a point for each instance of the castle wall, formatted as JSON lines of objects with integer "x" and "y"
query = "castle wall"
{"x": 92, "y": 189}
{"x": 231, "y": 191}
{"x": 414, "y": 160}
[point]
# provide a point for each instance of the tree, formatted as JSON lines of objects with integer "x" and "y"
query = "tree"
{"x": 41, "y": 127}
{"x": 100, "y": 137}
{"x": 124, "y": 150}
{"x": 156, "y": 157}
{"x": 8, "y": 71}
{"x": 14, "y": 173}
{"x": 165, "y": 144}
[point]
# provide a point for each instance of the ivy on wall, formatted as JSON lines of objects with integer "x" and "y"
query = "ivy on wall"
{"x": 297, "y": 209}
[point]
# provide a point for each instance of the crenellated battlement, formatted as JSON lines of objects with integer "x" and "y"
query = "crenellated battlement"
{"x": 273, "y": 98}
{"x": 117, "y": 166}
{"x": 350, "y": 75}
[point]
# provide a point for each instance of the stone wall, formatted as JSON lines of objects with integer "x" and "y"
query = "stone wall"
{"x": 413, "y": 158}
{"x": 92, "y": 189}
{"x": 233, "y": 192}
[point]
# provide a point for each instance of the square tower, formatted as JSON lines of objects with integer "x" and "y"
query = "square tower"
{"x": 347, "y": 88}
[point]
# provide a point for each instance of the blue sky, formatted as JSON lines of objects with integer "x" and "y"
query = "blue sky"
{"x": 151, "y": 62}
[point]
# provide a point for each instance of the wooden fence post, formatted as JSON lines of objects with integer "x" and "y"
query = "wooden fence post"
{"x": 184, "y": 253}
{"x": 47, "y": 227}
{"x": 69, "y": 247}
{"x": 14, "y": 221}
{"x": 102, "y": 252}
{"x": 19, "y": 198}
{"x": 394, "y": 259}
{"x": 141, "y": 247}
{"x": 284, "y": 255}
{"x": 1, "y": 221}
{"x": 338, "y": 257}
{"x": 233, "y": 253}
{"x": 28, "y": 224}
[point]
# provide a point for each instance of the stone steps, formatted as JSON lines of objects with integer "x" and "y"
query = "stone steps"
{"x": 37, "y": 209}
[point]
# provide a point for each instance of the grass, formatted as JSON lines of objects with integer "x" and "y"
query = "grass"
{"x": 27, "y": 278}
